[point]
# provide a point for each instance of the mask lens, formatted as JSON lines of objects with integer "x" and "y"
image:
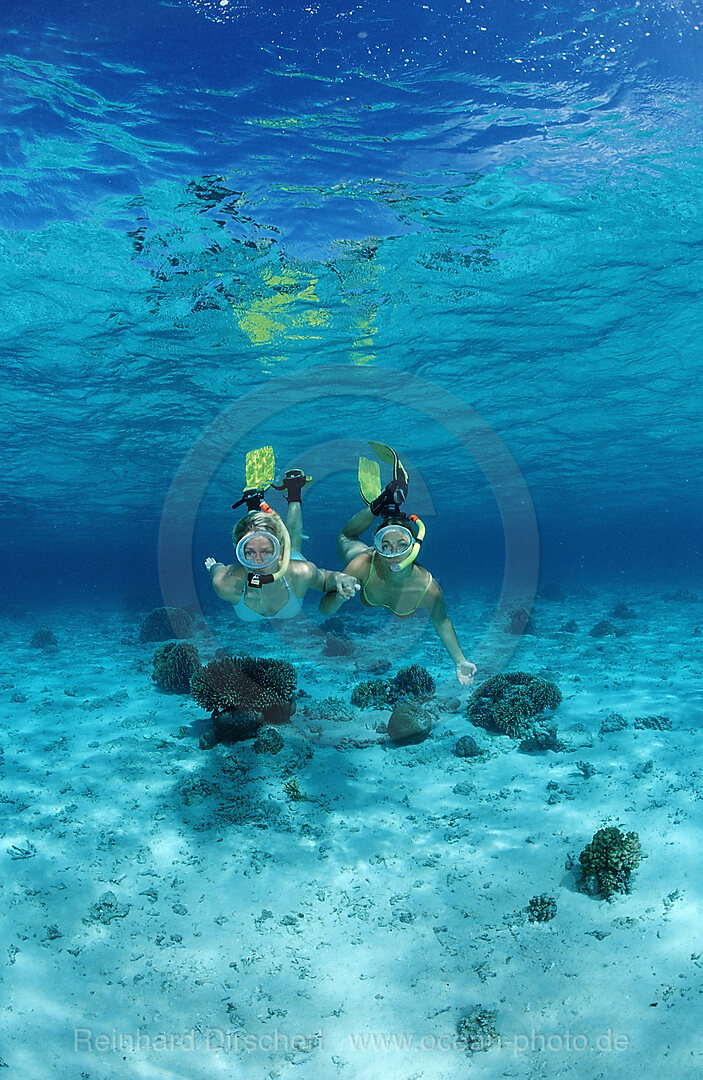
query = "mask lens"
{"x": 258, "y": 550}
{"x": 393, "y": 541}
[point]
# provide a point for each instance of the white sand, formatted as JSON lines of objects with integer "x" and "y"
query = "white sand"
{"x": 262, "y": 936}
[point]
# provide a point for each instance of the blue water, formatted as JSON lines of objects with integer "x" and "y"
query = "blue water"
{"x": 200, "y": 199}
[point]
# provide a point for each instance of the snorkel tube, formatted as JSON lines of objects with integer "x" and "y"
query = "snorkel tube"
{"x": 415, "y": 549}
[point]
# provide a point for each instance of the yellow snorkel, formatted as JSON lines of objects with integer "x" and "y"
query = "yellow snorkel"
{"x": 415, "y": 549}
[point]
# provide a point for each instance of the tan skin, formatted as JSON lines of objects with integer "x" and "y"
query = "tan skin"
{"x": 228, "y": 581}
{"x": 399, "y": 590}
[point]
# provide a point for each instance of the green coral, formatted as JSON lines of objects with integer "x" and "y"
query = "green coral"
{"x": 413, "y": 681}
{"x": 477, "y": 1030}
{"x": 608, "y": 861}
{"x": 370, "y": 694}
{"x": 174, "y": 663}
{"x": 292, "y": 790}
{"x": 409, "y": 682}
{"x": 164, "y": 623}
{"x": 541, "y": 908}
{"x": 268, "y": 741}
{"x": 511, "y": 702}
{"x": 243, "y": 683}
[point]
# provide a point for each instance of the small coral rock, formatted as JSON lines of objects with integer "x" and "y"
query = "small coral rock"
{"x": 409, "y": 723}
{"x": 520, "y": 622}
{"x": 174, "y": 663}
{"x": 370, "y": 694}
{"x": 165, "y": 623}
{"x": 543, "y": 737}
{"x": 512, "y": 702}
{"x": 467, "y": 746}
{"x": 413, "y": 681}
{"x": 44, "y": 639}
{"x": 268, "y": 741}
{"x": 335, "y": 645}
{"x": 246, "y": 683}
{"x": 608, "y": 861}
{"x": 541, "y": 908}
{"x": 602, "y": 629}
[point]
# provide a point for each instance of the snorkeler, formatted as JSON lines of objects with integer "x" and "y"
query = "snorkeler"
{"x": 387, "y": 572}
{"x": 271, "y": 577}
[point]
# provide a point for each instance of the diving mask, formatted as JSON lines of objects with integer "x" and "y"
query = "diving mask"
{"x": 258, "y": 550}
{"x": 393, "y": 541}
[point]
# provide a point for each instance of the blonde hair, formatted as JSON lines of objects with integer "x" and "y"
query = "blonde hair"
{"x": 258, "y": 521}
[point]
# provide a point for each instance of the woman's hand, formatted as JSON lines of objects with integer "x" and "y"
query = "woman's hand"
{"x": 465, "y": 672}
{"x": 210, "y": 562}
{"x": 345, "y": 585}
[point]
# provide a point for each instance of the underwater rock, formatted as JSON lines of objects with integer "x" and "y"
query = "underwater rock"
{"x": 622, "y": 610}
{"x": 44, "y": 639}
{"x": 467, "y": 747}
{"x": 164, "y": 623}
{"x": 477, "y": 1030}
{"x": 541, "y": 908}
{"x": 608, "y": 861}
{"x": 653, "y": 723}
{"x": 268, "y": 741}
{"x": 576, "y": 737}
{"x": 682, "y": 596}
{"x": 372, "y": 667}
{"x": 329, "y": 709}
{"x": 194, "y": 790}
{"x": 335, "y": 625}
{"x": 604, "y": 628}
{"x": 107, "y": 909}
{"x": 231, "y": 727}
{"x": 613, "y": 722}
{"x": 336, "y": 645}
{"x": 543, "y": 737}
{"x": 569, "y": 627}
{"x": 512, "y": 702}
{"x": 174, "y": 663}
{"x": 409, "y": 723}
{"x": 520, "y": 622}
{"x": 208, "y": 739}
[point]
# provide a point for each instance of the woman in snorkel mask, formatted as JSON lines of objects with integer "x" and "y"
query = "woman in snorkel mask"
{"x": 388, "y": 573}
{"x": 270, "y": 579}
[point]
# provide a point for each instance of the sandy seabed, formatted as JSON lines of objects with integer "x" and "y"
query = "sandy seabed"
{"x": 172, "y": 913}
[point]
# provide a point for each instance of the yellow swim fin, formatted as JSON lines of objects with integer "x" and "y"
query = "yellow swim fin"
{"x": 389, "y": 457}
{"x": 260, "y": 468}
{"x": 388, "y": 499}
{"x": 369, "y": 480}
